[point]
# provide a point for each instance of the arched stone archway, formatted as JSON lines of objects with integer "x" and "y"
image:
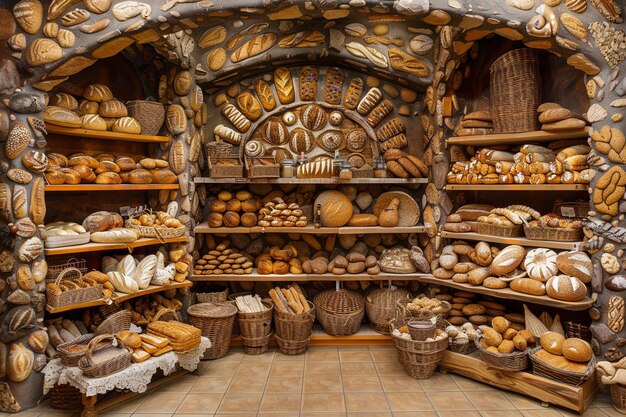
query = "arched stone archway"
{"x": 409, "y": 41}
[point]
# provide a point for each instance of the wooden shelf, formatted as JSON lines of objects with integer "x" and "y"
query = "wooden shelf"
{"x": 110, "y": 187}
{"x": 509, "y": 294}
{"x": 543, "y": 389}
{"x": 98, "y": 247}
{"x": 104, "y": 135}
{"x": 307, "y": 277}
{"x": 119, "y": 297}
{"x": 518, "y": 138}
{"x": 513, "y": 240}
{"x": 517, "y": 187}
{"x": 207, "y": 180}
{"x": 310, "y": 229}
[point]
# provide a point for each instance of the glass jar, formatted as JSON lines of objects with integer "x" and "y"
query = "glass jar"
{"x": 288, "y": 169}
{"x": 346, "y": 171}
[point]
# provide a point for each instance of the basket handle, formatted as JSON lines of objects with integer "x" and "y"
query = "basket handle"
{"x": 65, "y": 272}
{"x": 162, "y": 312}
{"x": 158, "y": 235}
{"x": 94, "y": 342}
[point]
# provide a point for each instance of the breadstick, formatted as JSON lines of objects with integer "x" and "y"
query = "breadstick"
{"x": 277, "y": 301}
{"x": 296, "y": 297}
{"x": 304, "y": 303}
{"x": 297, "y": 287}
{"x": 295, "y": 306}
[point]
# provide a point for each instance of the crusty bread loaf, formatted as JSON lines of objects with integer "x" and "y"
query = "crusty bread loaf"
{"x": 566, "y": 288}
{"x": 98, "y": 93}
{"x": 63, "y": 100}
{"x": 108, "y": 178}
{"x": 284, "y": 85}
{"x": 93, "y": 122}
{"x": 254, "y": 47}
{"x": 507, "y": 260}
{"x": 127, "y": 125}
{"x": 360, "y": 220}
{"x": 112, "y": 108}
{"x": 528, "y": 286}
{"x": 117, "y": 235}
{"x": 140, "y": 176}
{"x": 101, "y": 221}
{"x": 61, "y": 117}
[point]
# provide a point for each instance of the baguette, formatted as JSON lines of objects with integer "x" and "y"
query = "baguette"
{"x": 292, "y": 302}
{"x": 572, "y": 151}
{"x": 296, "y": 296}
{"x": 278, "y": 302}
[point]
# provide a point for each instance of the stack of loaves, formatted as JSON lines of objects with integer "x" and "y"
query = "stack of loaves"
{"x": 279, "y": 261}
{"x": 476, "y": 123}
{"x": 233, "y": 210}
{"x": 223, "y": 260}
{"x": 553, "y": 118}
{"x": 277, "y": 213}
{"x": 500, "y": 337}
{"x": 562, "y": 162}
{"x": 98, "y": 110}
{"x": 568, "y": 354}
{"x": 469, "y": 307}
{"x": 404, "y": 165}
{"x": 107, "y": 169}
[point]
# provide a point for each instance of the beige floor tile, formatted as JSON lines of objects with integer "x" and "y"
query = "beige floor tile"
{"x": 322, "y": 354}
{"x": 408, "y": 401}
{"x": 293, "y": 414}
{"x": 603, "y": 400}
{"x": 161, "y": 402}
{"x": 501, "y": 413}
{"x": 242, "y": 384}
{"x": 323, "y": 403}
{"x": 371, "y": 414}
{"x": 464, "y": 413}
{"x": 183, "y": 384}
{"x": 105, "y": 414}
{"x": 400, "y": 383}
{"x": 546, "y": 412}
{"x": 448, "y": 401}
{"x": 283, "y": 385}
{"x": 200, "y": 403}
{"x": 348, "y": 347}
{"x": 287, "y": 369}
{"x": 33, "y": 414}
{"x": 59, "y": 413}
{"x": 370, "y": 401}
{"x": 384, "y": 355}
{"x": 267, "y": 357}
{"x": 467, "y": 384}
{"x": 129, "y": 406}
{"x": 281, "y": 357}
{"x": 489, "y": 400}
{"x": 358, "y": 368}
{"x": 235, "y": 415}
{"x": 390, "y": 368}
{"x": 414, "y": 414}
{"x": 335, "y": 414}
{"x": 280, "y": 403}
{"x": 610, "y": 411}
{"x": 358, "y": 383}
{"x": 439, "y": 382}
{"x": 217, "y": 368}
{"x": 322, "y": 384}
{"x": 322, "y": 368}
{"x": 254, "y": 370}
{"x": 590, "y": 412}
{"x": 522, "y": 402}
{"x": 233, "y": 355}
{"x": 355, "y": 356}
{"x": 217, "y": 385}
{"x": 240, "y": 404}
{"x": 189, "y": 415}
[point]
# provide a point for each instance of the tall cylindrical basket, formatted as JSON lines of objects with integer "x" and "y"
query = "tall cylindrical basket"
{"x": 256, "y": 329}
{"x": 215, "y": 320}
{"x": 293, "y": 331}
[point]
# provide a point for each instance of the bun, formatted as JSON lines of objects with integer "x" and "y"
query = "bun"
{"x": 217, "y": 206}
{"x": 88, "y": 107}
{"x": 552, "y": 342}
{"x": 231, "y": 219}
{"x": 127, "y": 125}
{"x": 215, "y": 220}
{"x": 112, "y": 108}
{"x": 248, "y": 220}
{"x": 98, "y": 93}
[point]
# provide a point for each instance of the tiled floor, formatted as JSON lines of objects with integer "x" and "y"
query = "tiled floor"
{"x": 326, "y": 382}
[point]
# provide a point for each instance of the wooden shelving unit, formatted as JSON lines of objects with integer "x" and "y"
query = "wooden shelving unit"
{"x": 109, "y": 187}
{"x": 104, "y": 135}
{"x": 310, "y": 229}
{"x": 119, "y": 297}
{"x": 518, "y": 138}
{"x": 509, "y": 294}
{"x": 513, "y": 240}
{"x": 517, "y": 187}
{"x": 254, "y": 276}
{"x": 97, "y": 247}
{"x": 207, "y": 180}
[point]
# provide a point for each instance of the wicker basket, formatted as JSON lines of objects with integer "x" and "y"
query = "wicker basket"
{"x": 149, "y": 114}
{"x": 227, "y": 171}
{"x": 421, "y": 329}
{"x": 515, "y": 91}
{"x": 581, "y": 208}
{"x": 58, "y": 264}
{"x": 618, "y": 397}
{"x": 515, "y": 361}
{"x": 215, "y": 320}
{"x": 159, "y": 232}
{"x": 403, "y": 312}
{"x": 465, "y": 347}
{"x": 217, "y": 150}
{"x": 65, "y": 397}
{"x": 546, "y": 370}
{"x": 105, "y": 361}
{"x": 75, "y": 296}
{"x": 380, "y": 306}
{"x": 576, "y": 329}
{"x": 255, "y": 329}
{"x": 502, "y": 231}
{"x": 366, "y": 171}
{"x": 419, "y": 358}
{"x": 69, "y": 353}
{"x": 340, "y": 312}
{"x": 115, "y": 323}
{"x": 269, "y": 169}
{"x": 553, "y": 233}
{"x": 213, "y": 297}
{"x": 293, "y": 331}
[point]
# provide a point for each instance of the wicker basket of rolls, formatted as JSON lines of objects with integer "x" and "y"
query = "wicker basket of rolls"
{"x": 158, "y": 225}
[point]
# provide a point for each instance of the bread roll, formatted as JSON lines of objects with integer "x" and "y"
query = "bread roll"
{"x": 577, "y": 350}
{"x": 248, "y": 220}
{"x": 552, "y": 342}
{"x": 231, "y": 219}
{"x": 215, "y": 220}
{"x": 528, "y": 286}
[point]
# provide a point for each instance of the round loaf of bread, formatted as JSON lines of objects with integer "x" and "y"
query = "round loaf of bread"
{"x": 108, "y": 178}
{"x": 233, "y": 205}
{"x": 112, "y": 108}
{"x": 71, "y": 177}
{"x": 540, "y": 264}
{"x": 217, "y": 206}
{"x": 577, "y": 350}
{"x": 336, "y": 208}
{"x": 575, "y": 264}
{"x": 248, "y": 220}
{"x": 552, "y": 342}
{"x": 126, "y": 163}
{"x": 83, "y": 160}
{"x": 566, "y": 288}
{"x": 127, "y": 125}
{"x": 215, "y": 220}
{"x": 98, "y": 93}
{"x": 249, "y": 206}
{"x": 87, "y": 107}
{"x": 507, "y": 260}
{"x": 243, "y": 195}
{"x": 94, "y": 122}
{"x": 140, "y": 176}
{"x": 63, "y": 100}
{"x": 106, "y": 166}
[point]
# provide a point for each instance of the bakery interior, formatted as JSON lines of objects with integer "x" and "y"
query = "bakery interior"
{"x": 312, "y": 208}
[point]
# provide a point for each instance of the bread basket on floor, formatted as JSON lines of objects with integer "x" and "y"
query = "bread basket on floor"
{"x": 293, "y": 331}
{"x": 419, "y": 358}
{"x": 380, "y": 306}
{"x": 340, "y": 312}
{"x": 618, "y": 397}
{"x": 99, "y": 363}
{"x": 256, "y": 329}
{"x": 543, "y": 368}
{"x": 215, "y": 320}
{"x": 515, "y": 361}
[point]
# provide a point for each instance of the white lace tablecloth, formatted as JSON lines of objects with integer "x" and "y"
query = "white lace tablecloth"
{"x": 135, "y": 378}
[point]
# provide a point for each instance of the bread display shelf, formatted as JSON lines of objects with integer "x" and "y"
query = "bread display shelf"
{"x": 517, "y": 187}
{"x": 546, "y": 390}
{"x": 207, "y": 180}
{"x": 513, "y": 240}
{"x": 310, "y": 229}
{"x": 509, "y": 294}
{"x": 518, "y": 138}
{"x": 308, "y": 277}
{"x": 97, "y": 247}
{"x": 110, "y": 187}
{"x": 105, "y": 135}
{"x": 119, "y": 297}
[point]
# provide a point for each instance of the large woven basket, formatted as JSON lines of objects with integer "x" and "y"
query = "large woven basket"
{"x": 340, "y": 312}
{"x": 149, "y": 114}
{"x": 213, "y": 297}
{"x": 75, "y": 296}
{"x": 515, "y": 361}
{"x": 577, "y": 329}
{"x": 158, "y": 232}
{"x": 293, "y": 331}
{"x": 100, "y": 362}
{"x": 215, "y": 320}
{"x": 502, "y": 231}
{"x": 115, "y": 323}
{"x": 256, "y": 328}
{"x": 403, "y": 312}
{"x": 618, "y": 397}
{"x": 515, "y": 91}
{"x": 71, "y": 352}
{"x": 553, "y": 233}
{"x": 380, "y": 305}
{"x": 544, "y": 369}
{"x": 65, "y": 397}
